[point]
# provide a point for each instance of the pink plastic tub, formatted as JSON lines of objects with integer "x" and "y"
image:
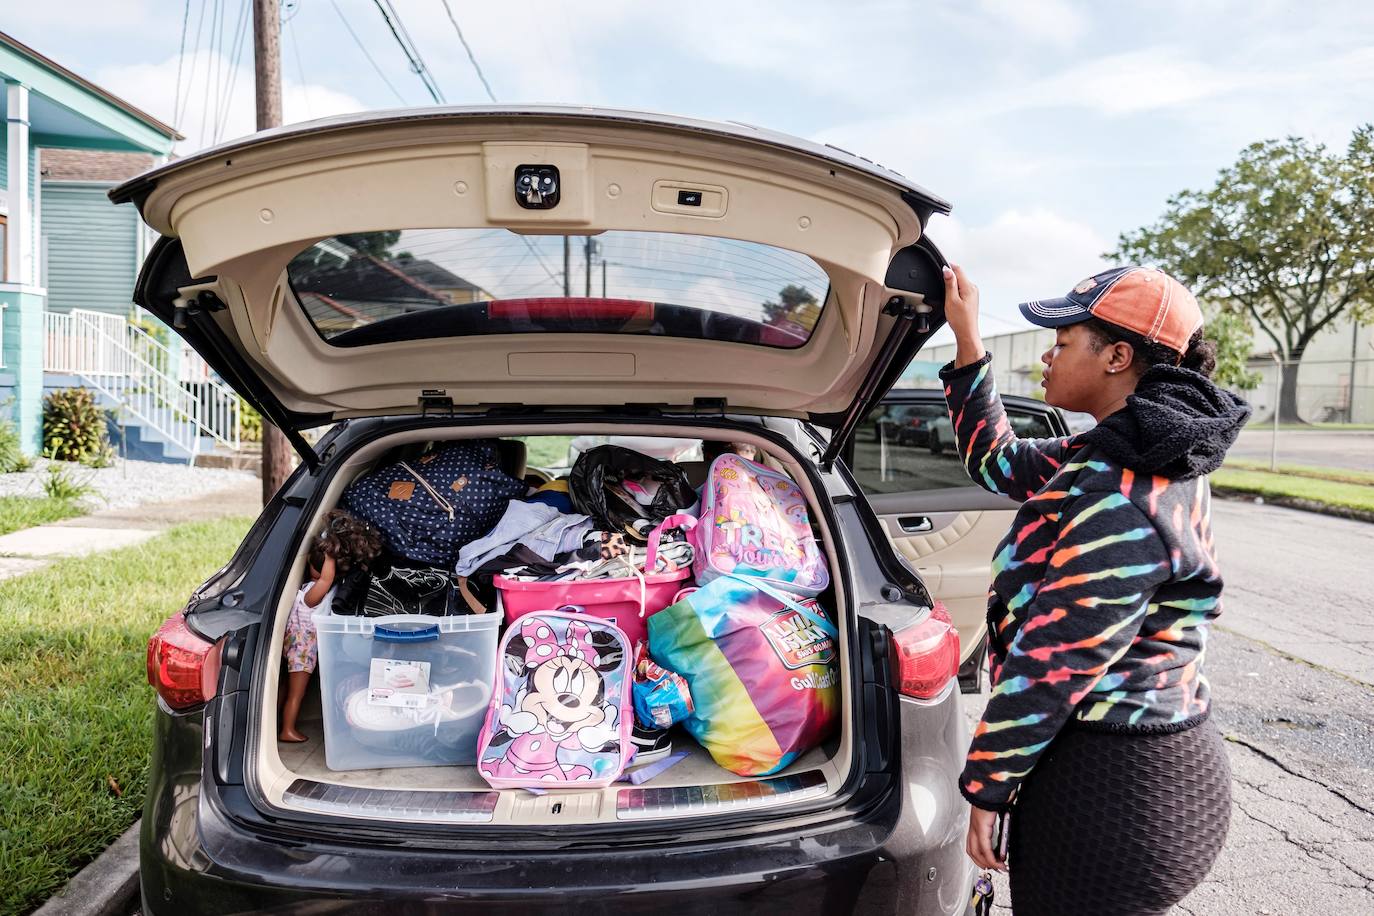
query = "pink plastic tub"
{"x": 627, "y": 603}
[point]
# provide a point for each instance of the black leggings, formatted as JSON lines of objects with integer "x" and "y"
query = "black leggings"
{"x": 1118, "y": 825}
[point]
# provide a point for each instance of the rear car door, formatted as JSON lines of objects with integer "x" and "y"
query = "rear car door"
{"x": 906, "y": 460}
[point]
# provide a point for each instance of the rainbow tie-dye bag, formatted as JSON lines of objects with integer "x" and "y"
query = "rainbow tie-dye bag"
{"x": 754, "y": 523}
{"x": 762, "y": 667}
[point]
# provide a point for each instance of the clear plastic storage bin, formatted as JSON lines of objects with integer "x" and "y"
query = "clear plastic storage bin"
{"x": 404, "y": 691}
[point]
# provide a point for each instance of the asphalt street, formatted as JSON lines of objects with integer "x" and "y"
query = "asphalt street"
{"x": 1292, "y": 672}
{"x": 1353, "y": 449}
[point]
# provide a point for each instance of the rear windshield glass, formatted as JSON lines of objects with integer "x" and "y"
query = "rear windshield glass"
{"x": 378, "y": 287}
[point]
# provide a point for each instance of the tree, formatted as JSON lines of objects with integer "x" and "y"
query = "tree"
{"x": 791, "y": 299}
{"x": 1285, "y": 238}
{"x": 377, "y": 244}
{"x": 1234, "y": 336}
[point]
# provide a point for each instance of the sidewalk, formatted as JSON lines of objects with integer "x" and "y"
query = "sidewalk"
{"x": 33, "y": 548}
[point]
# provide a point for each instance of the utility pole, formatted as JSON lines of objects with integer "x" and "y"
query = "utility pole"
{"x": 603, "y": 278}
{"x": 590, "y": 250}
{"x": 276, "y": 451}
{"x": 567, "y": 268}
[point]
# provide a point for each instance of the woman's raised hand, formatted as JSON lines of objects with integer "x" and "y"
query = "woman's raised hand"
{"x": 961, "y": 312}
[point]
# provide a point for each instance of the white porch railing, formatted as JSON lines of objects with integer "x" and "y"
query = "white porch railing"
{"x": 135, "y": 369}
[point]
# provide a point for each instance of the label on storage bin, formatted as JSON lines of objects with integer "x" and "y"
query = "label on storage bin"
{"x": 398, "y": 682}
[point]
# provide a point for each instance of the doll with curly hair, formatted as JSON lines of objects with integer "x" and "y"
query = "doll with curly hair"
{"x": 344, "y": 546}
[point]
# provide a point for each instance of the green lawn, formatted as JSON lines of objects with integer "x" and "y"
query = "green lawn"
{"x": 1331, "y": 493}
{"x": 1318, "y": 472}
{"x": 75, "y": 708}
{"x": 18, "y": 512}
{"x": 547, "y": 451}
{"x": 1358, "y": 427}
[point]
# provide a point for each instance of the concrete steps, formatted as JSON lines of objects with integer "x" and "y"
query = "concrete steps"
{"x": 137, "y": 440}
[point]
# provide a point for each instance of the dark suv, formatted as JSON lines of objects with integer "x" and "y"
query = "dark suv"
{"x": 391, "y": 278}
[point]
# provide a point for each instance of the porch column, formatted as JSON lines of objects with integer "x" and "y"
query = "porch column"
{"x": 24, "y": 300}
{"x": 19, "y": 238}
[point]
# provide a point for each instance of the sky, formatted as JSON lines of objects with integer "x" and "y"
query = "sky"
{"x": 1052, "y": 126}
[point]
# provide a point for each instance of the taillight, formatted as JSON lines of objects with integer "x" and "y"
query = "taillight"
{"x": 927, "y": 655}
{"x": 182, "y": 667}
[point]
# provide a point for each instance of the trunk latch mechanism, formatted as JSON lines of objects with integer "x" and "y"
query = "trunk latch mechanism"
{"x": 436, "y": 402}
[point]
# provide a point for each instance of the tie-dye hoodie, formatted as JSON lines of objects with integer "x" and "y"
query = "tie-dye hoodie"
{"x": 1104, "y": 586}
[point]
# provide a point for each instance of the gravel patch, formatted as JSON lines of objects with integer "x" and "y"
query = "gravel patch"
{"x": 128, "y": 483}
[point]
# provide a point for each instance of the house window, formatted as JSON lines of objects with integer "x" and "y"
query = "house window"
{"x": 4, "y": 239}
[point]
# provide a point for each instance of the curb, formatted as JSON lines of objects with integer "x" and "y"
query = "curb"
{"x": 106, "y": 887}
{"x": 1294, "y": 502}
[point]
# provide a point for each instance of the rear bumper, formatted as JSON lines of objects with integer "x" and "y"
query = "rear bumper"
{"x": 903, "y": 856}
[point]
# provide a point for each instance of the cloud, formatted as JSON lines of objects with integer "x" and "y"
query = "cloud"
{"x": 216, "y": 97}
{"x": 1052, "y": 21}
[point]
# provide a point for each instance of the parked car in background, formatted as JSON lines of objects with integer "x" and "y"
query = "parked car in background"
{"x": 919, "y": 425}
{"x": 944, "y": 525}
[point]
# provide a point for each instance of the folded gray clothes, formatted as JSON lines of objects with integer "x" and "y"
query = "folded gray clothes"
{"x": 539, "y": 527}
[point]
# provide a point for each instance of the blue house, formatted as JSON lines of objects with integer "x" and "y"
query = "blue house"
{"x": 71, "y": 259}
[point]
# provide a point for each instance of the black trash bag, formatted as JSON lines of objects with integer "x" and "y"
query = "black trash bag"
{"x": 604, "y": 483}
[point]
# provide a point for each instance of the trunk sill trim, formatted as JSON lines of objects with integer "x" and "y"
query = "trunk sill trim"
{"x": 694, "y": 801}
{"x": 430, "y": 806}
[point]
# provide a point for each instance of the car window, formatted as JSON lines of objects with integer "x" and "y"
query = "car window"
{"x": 904, "y": 447}
{"x": 377, "y": 287}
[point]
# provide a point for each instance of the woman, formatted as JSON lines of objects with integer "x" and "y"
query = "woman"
{"x": 1096, "y": 734}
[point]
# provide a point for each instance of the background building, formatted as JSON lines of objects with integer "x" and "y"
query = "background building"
{"x": 1335, "y": 378}
{"x": 65, "y": 246}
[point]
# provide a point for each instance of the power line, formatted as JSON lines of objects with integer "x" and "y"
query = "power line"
{"x": 181, "y": 57}
{"x": 417, "y": 63}
{"x": 235, "y": 55}
{"x": 300, "y": 69}
{"x": 181, "y": 111}
{"x": 361, "y": 47}
{"x": 211, "y": 68}
{"x": 466, "y": 47}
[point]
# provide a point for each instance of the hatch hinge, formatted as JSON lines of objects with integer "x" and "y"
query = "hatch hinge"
{"x": 913, "y": 309}
{"x": 203, "y": 301}
{"x": 435, "y": 402}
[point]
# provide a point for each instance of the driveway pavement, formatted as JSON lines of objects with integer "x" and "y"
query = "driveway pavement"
{"x": 1352, "y": 449}
{"x": 1292, "y": 676}
{"x": 33, "y": 548}
{"x": 1299, "y": 582}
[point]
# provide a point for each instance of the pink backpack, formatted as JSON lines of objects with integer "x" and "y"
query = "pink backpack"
{"x": 561, "y": 709}
{"x": 754, "y": 523}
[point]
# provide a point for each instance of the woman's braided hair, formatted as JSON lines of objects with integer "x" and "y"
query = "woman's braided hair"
{"x": 1201, "y": 356}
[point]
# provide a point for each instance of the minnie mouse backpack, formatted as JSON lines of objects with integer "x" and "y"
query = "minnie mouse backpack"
{"x": 560, "y": 714}
{"x": 754, "y": 523}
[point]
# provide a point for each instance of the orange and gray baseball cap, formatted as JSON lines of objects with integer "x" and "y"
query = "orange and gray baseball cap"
{"x": 1145, "y": 300}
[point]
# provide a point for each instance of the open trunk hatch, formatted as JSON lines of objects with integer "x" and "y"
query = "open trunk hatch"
{"x": 462, "y": 259}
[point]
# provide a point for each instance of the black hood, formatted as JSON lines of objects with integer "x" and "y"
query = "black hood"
{"x": 1177, "y": 424}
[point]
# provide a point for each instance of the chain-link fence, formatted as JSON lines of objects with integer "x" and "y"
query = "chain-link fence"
{"x": 1319, "y": 413}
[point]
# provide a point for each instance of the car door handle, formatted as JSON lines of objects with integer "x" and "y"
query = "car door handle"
{"x": 915, "y": 524}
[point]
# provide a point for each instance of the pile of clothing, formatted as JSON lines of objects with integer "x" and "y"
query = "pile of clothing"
{"x": 619, "y": 539}
{"x": 452, "y": 521}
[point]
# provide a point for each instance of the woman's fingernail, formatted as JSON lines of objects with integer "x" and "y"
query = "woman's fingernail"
{"x": 946, "y": 271}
